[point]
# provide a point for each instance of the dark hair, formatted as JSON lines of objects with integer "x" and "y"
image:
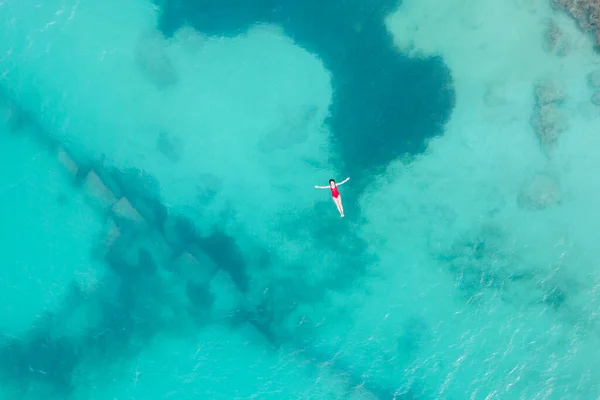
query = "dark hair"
{"x": 331, "y": 180}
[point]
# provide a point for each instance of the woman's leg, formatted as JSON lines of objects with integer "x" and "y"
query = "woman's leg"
{"x": 340, "y": 206}
{"x": 335, "y": 200}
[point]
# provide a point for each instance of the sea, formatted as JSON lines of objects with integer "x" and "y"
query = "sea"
{"x": 161, "y": 236}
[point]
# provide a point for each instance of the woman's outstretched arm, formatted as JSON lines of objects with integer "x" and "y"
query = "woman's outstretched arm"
{"x": 321, "y": 187}
{"x": 344, "y": 181}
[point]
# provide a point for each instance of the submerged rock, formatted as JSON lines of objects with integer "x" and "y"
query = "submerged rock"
{"x": 549, "y": 91}
{"x": 198, "y": 268}
{"x": 549, "y": 121}
{"x": 553, "y": 34}
{"x": 565, "y": 46}
{"x": 136, "y": 182}
{"x": 593, "y": 79}
{"x": 208, "y": 188}
{"x": 539, "y": 192}
{"x": 481, "y": 259}
{"x": 554, "y": 297}
{"x": 13, "y": 116}
{"x": 169, "y": 146}
{"x": 585, "y": 12}
{"x": 556, "y": 41}
{"x": 596, "y": 98}
{"x": 151, "y": 56}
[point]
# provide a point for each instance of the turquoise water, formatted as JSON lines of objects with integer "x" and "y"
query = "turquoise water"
{"x": 163, "y": 240}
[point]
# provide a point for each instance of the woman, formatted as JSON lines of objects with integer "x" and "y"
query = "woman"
{"x": 337, "y": 198}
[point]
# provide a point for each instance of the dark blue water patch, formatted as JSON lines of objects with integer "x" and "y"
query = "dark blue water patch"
{"x": 226, "y": 254}
{"x": 130, "y": 303}
{"x": 183, "y": 234}
{"x": 170, "y": 146}
{"x": 129, "y": 319}
{"x": 113, "y": 337}
{"x": 385, "y": 104}
{"x": 415, "y": 331}
{"x": 201, "y": 297}
{"x": 330, "y": 234}
{"x": 553, "y": 296}
{"x": 39, "y": 357}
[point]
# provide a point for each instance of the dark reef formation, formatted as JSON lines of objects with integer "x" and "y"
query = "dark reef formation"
{"x": 585, "y": 12}
{"x": 549, "y": 119}
{"x": 539, "y": 192}
{"x": 155, "y": 64}
{"x": 480, "y": 261}
{"x": 557, "y": 41}
{"x": 385, "y": 104}
{"x": 593, "y": 79}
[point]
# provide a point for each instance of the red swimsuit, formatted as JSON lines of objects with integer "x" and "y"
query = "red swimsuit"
{"x": 334, "y": 191}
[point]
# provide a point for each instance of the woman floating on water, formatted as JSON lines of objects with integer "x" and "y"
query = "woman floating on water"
{"x": 337, "y": 198}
